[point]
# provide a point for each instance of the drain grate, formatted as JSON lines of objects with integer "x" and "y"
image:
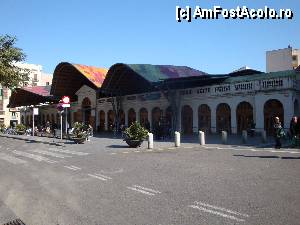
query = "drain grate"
{"x": 15, "y": 222}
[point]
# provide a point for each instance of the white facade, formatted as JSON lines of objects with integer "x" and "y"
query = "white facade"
{"x": 282, "y": 59}
{"x": 37, "y": 77}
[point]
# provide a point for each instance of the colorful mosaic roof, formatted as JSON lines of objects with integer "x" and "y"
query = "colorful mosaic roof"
{"x": 156, "y": 73}
{"x": 39, "y": 90}
{"x": 94, "y": 74}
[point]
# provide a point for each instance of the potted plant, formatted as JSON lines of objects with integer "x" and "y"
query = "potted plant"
{"x": 79, "y": 134}
{"x": 20, "y": 129}
{"x": 135, "y": 135}
{"x": 2, "y": 128}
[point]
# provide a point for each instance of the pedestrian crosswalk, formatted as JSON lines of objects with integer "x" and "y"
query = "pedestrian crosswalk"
{"x": 49, "y": 155}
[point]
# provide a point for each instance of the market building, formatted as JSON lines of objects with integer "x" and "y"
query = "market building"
{"x": 176, "y": 97}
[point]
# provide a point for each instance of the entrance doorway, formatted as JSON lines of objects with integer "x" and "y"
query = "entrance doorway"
{"x": 223, "y": 118}
{"x": 272, "y": 108}
{"x": 204, "y": 118}
{"x": 244, "y": 116}
{"x": 187, "y": 120}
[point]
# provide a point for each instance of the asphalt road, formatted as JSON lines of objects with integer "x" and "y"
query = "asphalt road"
{"x": 44, "y": 181}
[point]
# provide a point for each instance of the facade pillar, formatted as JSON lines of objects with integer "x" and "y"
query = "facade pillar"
{"x": 137, "y": 114}
{"x": 233, "y": 119}
{"x": 259, "y": 113}
{"x": 150, "y": 117}
{"x": 288, "y": 109}
{"x": 106, "y": 120}
{"x": 97, "y": 119}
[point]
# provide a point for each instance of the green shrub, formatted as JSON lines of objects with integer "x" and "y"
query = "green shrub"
{"x": 20, "y": 127}
{"x": 136, "y": 132}
{"x": 2, "y": 127}
{"x": 80, "y": 130}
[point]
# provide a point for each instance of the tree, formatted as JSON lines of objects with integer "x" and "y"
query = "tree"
{"x": 11, "y": 76}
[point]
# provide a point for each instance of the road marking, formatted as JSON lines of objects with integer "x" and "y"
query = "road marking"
{"x": 103, "y": 176}
{"x": 125, "y": 152}
{"x": 144, "y": 190}
{"x": 172, "y": 148}
{"x": 57, "y": 155}
{"x": 137, "y": 151}
{"x": 188, "y": 147}
{"x": 160, "y": 149}
{"x": 150, "y": 150}
{"x": 68, "y": 151}
{"x": 11, "y": 159}
{"x": 219, "y": 211}
{"x": 113, "y": 153}
{"x": 100, "y": 177}
{"x": 32, "y": 156}
{"x": 73, "y": 167}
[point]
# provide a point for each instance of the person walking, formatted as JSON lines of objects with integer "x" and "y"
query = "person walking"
{"x": 279, "y": 133}
{"x": 294, "y": 124}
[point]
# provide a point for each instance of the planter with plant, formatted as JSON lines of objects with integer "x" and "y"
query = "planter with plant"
{"x": 79, "y": 134}
{"x": 2, "y": 128}
{"x": 20, "y": 129}
{"x": 135, "y": 135}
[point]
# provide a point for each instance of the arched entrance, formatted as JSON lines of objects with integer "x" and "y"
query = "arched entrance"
{"x": 204, "y": 118}
{"x": 223, "y": 114}
{"x": 110, "y": 120}
{"x": 144, "y": 117}
{"x": 22, "y": 119}
{"x": 169, "y": 117}
{"x": 131, "y": 116}
{"x": 187, "y": 120}
{"x": 272, "y": 108}
{"x": 86, "y": 109}
{"x": 244, "y": 116}
{"x": 156, "y": 119}
{"x": 122, "y": 117}
{"x": 101, "y": 120}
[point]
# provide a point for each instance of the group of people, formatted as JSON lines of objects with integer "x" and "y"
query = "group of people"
{"x": 293, "y": 133}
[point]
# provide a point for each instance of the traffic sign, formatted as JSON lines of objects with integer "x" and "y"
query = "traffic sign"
{"x": 66, "y": 100}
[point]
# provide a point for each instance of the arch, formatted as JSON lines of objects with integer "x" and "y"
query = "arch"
{"x": 204, "y": 118}
{"x": 223, "y": 116}
{"x": 187, "y": 119}
{"x": 244, "y": 116}
{"x": 102, "y": 120}
{"x": 52, "y": 119}
{"x": 144, "y": 117}
{"x": 272, "y": 108}
{"x": 131, "y": 116}
{"x": 122, "y": 117}
{"x": 86, "y": 109}
{"x": 156, "y": 117}
{"x": 296, "y": 108}
{"x": 110, "y": 120}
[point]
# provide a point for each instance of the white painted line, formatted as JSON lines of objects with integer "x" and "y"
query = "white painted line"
{"x": 11, "y": 159}
{"x": 216, "y": 213}
{"x": 76, "y": 167}
{"x": 103, "y": 176}
{"x": 71, "y": 168}
{"x": 221, "y": 209}
{"x": 57, "y": 155}
{"x": 160, "y": 149}
{"x": 97, "y": 177}
{"x": 68, "y": 151}
{"x": 141, "y": 191}
{"x": 147, "y": 189}
{"x": 137, "y": 151}
{"x": 188, "y": 147}
{"x": 172, "y": 148}
{"x": 149, "y": 150}
{"x": 113, "y": 153}
{"x": 32, "y": 156}
{"x": 125, "y": 152}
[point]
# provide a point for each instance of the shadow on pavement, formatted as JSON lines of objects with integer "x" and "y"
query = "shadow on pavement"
{"x": 266, "y": 157}
{"x": 27, "y": 140}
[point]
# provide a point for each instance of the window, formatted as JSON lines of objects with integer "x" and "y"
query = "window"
{"x": 295, "y": 57}
{"x": 35, "y": 77}
{"x": 47, "y": 83}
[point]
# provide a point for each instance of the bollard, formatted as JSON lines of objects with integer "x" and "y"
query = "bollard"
{"x": 202, "y": 138}
{"x": 150, "y": 141}
{"x": 263, "y": 136}
{"x": 177, "y": 139}
{"x": 244, "y": 136}
{"x": 224, "y": 137}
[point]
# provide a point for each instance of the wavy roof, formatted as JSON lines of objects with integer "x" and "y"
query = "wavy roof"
{"x": 95, "y": 74}
{"x": 156, "y": 73}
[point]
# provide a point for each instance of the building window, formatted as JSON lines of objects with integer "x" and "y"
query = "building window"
{"x": 47, "y": 83}
{"x": 35, "y": 77}
{"x": 295, "y": 58}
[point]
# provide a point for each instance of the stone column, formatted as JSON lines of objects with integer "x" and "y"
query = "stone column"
{"x": 213, "y": 119}
{"x": 288, "y": 109}
{"x": 233, "y": 119}
{"x": 106, "y": 120}
{"x": 126, "y": 117}
{"x": 150, "y": 117}
{"x": 259, "y": 113}
{"x": 195, "y": 117}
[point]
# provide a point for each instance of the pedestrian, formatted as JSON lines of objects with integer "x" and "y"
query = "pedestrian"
{"x": 294, "y": 130}
{"x": 279, "y": 132}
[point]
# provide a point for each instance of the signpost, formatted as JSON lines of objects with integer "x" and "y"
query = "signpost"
{"x": 64, "y": 103}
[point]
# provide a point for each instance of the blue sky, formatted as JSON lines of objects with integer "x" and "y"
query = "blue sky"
{"x": 101, "y": 33}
